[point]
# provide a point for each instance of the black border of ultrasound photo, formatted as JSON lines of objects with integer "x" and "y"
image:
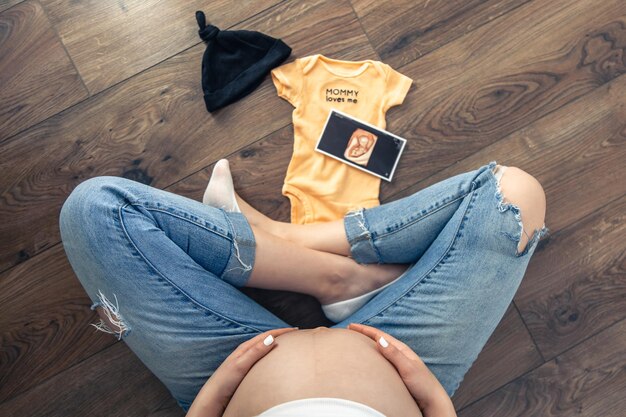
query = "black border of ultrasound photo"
{"x": 337, "y": 132}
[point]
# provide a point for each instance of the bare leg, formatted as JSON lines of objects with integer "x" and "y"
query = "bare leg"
{"x": 287, "y": 258}
{"x": 516, "y": 185}
{"x": 325, "y": 236}
{"x": 283, "y": 265}
{"x": 523, "y": 190}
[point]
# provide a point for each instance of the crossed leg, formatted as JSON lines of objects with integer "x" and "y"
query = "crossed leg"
{"x": 320, "y": 246}
{"x": 318, "y": 254}
{"x": 517, "y": 186}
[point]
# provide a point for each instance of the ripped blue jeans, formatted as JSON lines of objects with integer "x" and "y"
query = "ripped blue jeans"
{"x": 167, "y": 268}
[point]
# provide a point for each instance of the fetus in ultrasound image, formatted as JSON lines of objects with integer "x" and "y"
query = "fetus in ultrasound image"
{"x": 360, "y": 147}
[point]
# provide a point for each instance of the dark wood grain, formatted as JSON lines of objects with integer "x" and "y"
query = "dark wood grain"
{"x": 111, "y": 382}
{"x": 154, "y": 128}
{"x": 569, "y": 151}
{"x": 112, "y": 40}
{"x": 37, "y": 78}
{"x": 565, "y": 151}
{"x": 6, "y": 4}
{"x": 487, "y": 84}
{"x": 168, "y": 409}
{"x": 402, "y": 31}
{"x": 258, "y": 173}
{"x": 587, "y": 381}
{"x": 44, "y": 322}
{"x": 580, "y": 285}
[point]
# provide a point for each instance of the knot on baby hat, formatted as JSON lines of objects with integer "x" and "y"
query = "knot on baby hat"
{"x": 235, "y": 62}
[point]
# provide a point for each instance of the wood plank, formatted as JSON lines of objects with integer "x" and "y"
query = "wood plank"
{"x": 7, "y": 4}
{"x": 168, "y": 409}
{"x": 509, "y": 353}
{"x": 402, "y": 31}
{"x": 485, "y": 85}
{"x": 110, "y": 40}
{"x": 587, "y": 381}
{"x": 258, "y": 173}
{"x": 568, "y": 151}
{"x": 153, "y": 128}
{"x": 37, "y": 77}
{"x": 44, "y": 317}
{"x": 113, "y": 382}
{"x": 578, "y": 284}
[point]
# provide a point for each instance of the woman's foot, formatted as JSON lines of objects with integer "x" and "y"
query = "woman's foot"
{"x": 220, "y": 192}
{"x": 361, "y": 279}
{"x": 340, "y": 307}
{"x": 323, "y": 236}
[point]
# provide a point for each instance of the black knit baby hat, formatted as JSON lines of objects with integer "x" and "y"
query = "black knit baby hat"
{"x": 235, "y": 62}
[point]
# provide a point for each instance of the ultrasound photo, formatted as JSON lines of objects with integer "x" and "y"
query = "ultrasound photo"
{"x": 360, "y": 145}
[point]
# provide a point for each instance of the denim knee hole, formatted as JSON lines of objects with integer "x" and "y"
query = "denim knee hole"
{"x": 112, "y": 313}
{"x": 497, "y": 171}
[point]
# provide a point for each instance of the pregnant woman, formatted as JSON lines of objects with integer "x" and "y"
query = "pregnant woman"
{"x": 416, "y": 287}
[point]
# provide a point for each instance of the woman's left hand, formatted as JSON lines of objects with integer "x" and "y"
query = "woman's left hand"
{"x": 220, "y": 387}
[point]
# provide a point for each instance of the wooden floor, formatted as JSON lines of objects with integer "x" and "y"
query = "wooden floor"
{"x": 112, "y": 87}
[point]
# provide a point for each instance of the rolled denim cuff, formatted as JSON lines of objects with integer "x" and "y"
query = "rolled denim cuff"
{"x": 360, "y": 239}
{"x": 239, "y": 267}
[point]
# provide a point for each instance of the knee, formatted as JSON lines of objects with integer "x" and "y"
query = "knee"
{"x": 523, "y": 190}
{"x": 85, "y": 196}
{"x": 110, "y": 319}
{"x": 87, "y": 201}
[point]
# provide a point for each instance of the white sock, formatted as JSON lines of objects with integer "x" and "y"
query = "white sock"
{"x": 220, "y": 192}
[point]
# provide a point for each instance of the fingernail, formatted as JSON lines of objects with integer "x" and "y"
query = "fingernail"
{"x": 268, "y": 340}
{"x": 383, "y": 342}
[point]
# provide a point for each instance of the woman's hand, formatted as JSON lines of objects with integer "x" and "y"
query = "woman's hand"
{"x": 430, "y": 396}
{"x": 217, "y": 391}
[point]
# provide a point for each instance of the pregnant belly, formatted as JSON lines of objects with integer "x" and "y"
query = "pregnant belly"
{"x": 323, "y": 362}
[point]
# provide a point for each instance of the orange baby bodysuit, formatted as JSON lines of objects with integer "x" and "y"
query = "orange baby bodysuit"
{"x": 319, "y": 187}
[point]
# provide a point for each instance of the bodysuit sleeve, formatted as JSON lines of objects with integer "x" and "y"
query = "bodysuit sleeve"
{"x": 397, "y": 87}
{"x": 288, "y": 79}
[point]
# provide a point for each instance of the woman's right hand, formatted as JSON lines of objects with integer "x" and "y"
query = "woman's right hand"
{"x": 430, "y": 396}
